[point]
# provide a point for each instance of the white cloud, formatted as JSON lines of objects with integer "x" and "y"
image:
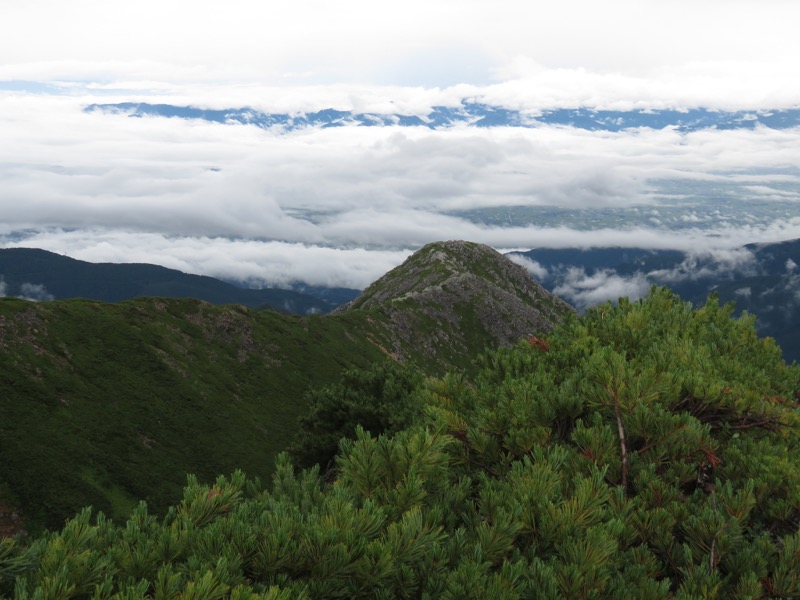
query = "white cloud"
{"x": 789, "y": 284}
{"x": 584, "y": 290}
{"x": 62, "y": 167}
{"x": 210, "y": 198}
{"x": 356, "y": 264}
{"x": 531, "y": 266}
{"x": 633, "y": 42}
{"x": 35, "y": 292}
{"x": 764, "y": 192}
{"x": 253, "y": 262}
{"x": 709, "y": 263}
{"x": 27, "y": 291}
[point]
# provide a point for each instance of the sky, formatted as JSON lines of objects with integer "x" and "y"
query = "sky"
{"x": 341, "y": 207}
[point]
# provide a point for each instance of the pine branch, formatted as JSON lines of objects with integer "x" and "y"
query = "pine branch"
{"x": 711, "y": 562}
{"x": 727, "y": 417}
{"x": 661, "y": 440}
{"x": 745, "y": 423}
{"x": 623, "y": 448}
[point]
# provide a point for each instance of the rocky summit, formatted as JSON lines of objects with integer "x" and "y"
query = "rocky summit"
{"x": 451, "y": 296}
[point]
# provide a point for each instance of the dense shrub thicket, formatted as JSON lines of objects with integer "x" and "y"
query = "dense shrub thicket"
{"x": 645, "y": 450}
{"x": 379, "y": 399}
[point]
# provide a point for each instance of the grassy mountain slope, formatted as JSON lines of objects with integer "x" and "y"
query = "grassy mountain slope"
{"x": 52, "y": 276}
{"x": 647, "y": 451}
{"x": 105, "y": 404}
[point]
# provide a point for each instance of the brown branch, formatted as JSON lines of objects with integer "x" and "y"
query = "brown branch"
{"x": 711, "y": 563}
{"x": 623, "y": 449}
{"x": 483, "y": 466}
{"x": 744, "y": 423}
{"x": 719, "y": 416}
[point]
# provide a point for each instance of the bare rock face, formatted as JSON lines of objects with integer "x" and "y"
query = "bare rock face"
{"x": 449, "y": 296}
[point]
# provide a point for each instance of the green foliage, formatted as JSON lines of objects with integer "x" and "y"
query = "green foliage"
{"x": 380, "y": 399}
{"x": 109, "y": 404}
{"x": 512, "y": 484}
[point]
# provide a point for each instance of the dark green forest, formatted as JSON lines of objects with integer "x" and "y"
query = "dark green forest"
{"x": 644, "y": 450}
{"x": 62, "y": 277}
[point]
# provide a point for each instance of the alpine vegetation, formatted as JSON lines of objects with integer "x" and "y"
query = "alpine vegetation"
{"x": 642, "y": 450}
{"x": 106, "y": 404}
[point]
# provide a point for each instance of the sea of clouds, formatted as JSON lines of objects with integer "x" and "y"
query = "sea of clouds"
{"x": 341, "y": 206}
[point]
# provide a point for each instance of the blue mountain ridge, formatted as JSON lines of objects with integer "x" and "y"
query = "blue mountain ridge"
{"x": 768, "y": 286}
{"x": 475, "y": 114}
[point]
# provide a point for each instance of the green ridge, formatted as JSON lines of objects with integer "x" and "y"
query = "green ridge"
{"x": 108, "y": 404}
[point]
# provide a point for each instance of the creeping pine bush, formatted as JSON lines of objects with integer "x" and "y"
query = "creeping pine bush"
{"x": 645, "y": 450}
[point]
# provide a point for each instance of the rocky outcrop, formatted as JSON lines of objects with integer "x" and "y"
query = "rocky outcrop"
{"x": 454, "y": 295}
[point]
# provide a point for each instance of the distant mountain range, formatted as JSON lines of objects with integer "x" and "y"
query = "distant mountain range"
{"x": 762, "y": 279}
{"x": 40, "y": 275}
{"x": 474, "y": 114}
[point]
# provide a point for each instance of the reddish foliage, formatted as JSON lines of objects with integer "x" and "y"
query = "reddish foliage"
{"x": 712, "y": 458}
{"x": 767, "y": 583}
{"x": 537, "y": 343}
{"x": 459, "y": 435}
{"x": 780, "y": 400}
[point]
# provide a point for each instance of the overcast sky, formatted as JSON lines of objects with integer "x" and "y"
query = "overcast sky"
{"x": 340, "y": 207}
{"x": 429, "y": 43}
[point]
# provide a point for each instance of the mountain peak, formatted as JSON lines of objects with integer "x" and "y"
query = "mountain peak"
{"x": 431, "y": 267}
{"x": 455, "y": 294}
{"x": 472, "y": 114}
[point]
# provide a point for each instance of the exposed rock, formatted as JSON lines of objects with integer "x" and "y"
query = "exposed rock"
{"x": 451, "y": 295}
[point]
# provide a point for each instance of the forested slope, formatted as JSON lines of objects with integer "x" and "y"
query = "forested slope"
{"x": 40, "y": 275}
{"x": 647, "y": 450}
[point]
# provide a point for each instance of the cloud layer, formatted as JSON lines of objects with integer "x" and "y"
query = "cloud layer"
{"x": 349, "y": 203}
{"x": 341, "y": 206}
